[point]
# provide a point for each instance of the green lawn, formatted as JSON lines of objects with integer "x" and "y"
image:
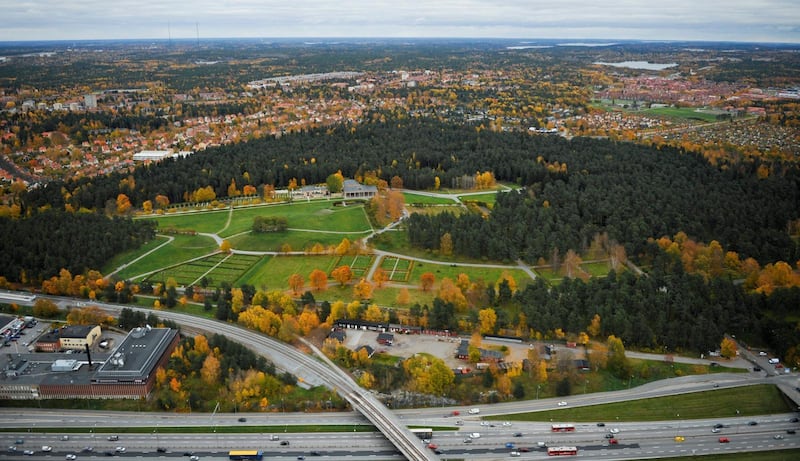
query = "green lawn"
{"x": 683, "y": 112}
{"x": 273, "y": 272}
{"x": 316, "y": 215}
{"x": 183, "y": 248}
{"x": 451, "y": 271}
{"x": 200, "y": 221}
{"x": 413, "y": 199}
{"x": 488, "y": 198}
{"x": 297, "y": 240}
{"x": 720, "y": 403}
{"x": 130, "y": 255}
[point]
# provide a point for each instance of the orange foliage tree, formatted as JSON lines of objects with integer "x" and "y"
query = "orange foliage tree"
{"x": 427, "y": 280}
{"x": 342, "y": 274}
{"x": 318, "y": 279}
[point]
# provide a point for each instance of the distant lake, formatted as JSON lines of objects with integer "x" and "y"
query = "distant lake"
{"x": 638, "y": 65}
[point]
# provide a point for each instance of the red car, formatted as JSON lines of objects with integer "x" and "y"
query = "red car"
{"x": 613, "y": 441}
{"x": 724, "y": 440}
{"x": 433, "y": 446}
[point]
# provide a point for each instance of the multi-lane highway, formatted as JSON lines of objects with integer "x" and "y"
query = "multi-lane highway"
{"x": 635, "y": 440}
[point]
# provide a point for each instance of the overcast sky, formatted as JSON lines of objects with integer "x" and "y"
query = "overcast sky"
{"x": 719, "y": 20}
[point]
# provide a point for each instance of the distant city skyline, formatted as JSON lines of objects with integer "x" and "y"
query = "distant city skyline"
{"x": 695, "y": 20}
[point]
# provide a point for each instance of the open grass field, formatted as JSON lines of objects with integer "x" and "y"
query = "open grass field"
{"x": 316, "y": 216}
{"x": 273, "y": 272}
{"x": 488, "y": 198}
{"x": 199, "y": 221}
{"x": 684, "y": 113}
{"x": 451, "y": 271}
{"x": 413, "y": 199}
{"x": 183, "y": 248}
{"x": 296, "y": 240}
{"x": 720, "y": 403}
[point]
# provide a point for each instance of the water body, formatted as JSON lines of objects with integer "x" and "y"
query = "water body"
{"x": 638, "y": 65}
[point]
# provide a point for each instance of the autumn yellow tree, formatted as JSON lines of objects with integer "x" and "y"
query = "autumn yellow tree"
{"x": 210, "y": 372}
{"x": 594, "y": 327}
{"x": 446, "y": 244}
{"x": 487, "y": 319}
{"x": 123, "y": 204}
{"x": 296, "y": 282}
{"x": 338, "y": 311}
{"x": 363, "y": 289}
{"x": 728, "y": 348}
{"x": 307, "y": 321}
{"x": 343, "y": 248}
{"x": 367, "y": 381}
{"x": 379, "y": 277}
{"x": 403, "y": 297}
{"x": 374, "y": 314}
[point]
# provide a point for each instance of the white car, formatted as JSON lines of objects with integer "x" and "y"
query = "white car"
{"x": 474, "y": 411}
{"x": 562, "y": 403}
{"x": 71, "y": 457}
{"x": 120, "y": 449}
{"x": 484, "y": 423}
{"x": 475, "y": 435}
{"x": 514, "y": 453}
{"x": 506, "y": 423}
{"x": 614, "y": 430}
{"x": 47, "y": 448}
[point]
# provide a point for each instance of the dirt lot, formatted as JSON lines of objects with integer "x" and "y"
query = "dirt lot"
{"x": 439, "y": 346}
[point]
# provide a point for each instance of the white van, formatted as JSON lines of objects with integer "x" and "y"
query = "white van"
{"x": 475, "y": 435}
{"x": 474, "y": 411}
{"x": 774, "y": 361}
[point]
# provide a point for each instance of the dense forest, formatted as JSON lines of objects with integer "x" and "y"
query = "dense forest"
{"x": 574, "y": 189}
{"x": 39, "y": 246}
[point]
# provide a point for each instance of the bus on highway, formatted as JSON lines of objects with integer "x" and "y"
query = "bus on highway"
{"x": 562, "y": 451}
{"x": 562, "y": 428}
{"x": 423, "y": 433}
{"x": 245, "y": 455}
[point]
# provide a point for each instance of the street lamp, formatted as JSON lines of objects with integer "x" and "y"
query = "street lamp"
{"x": 538, "y": 386}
